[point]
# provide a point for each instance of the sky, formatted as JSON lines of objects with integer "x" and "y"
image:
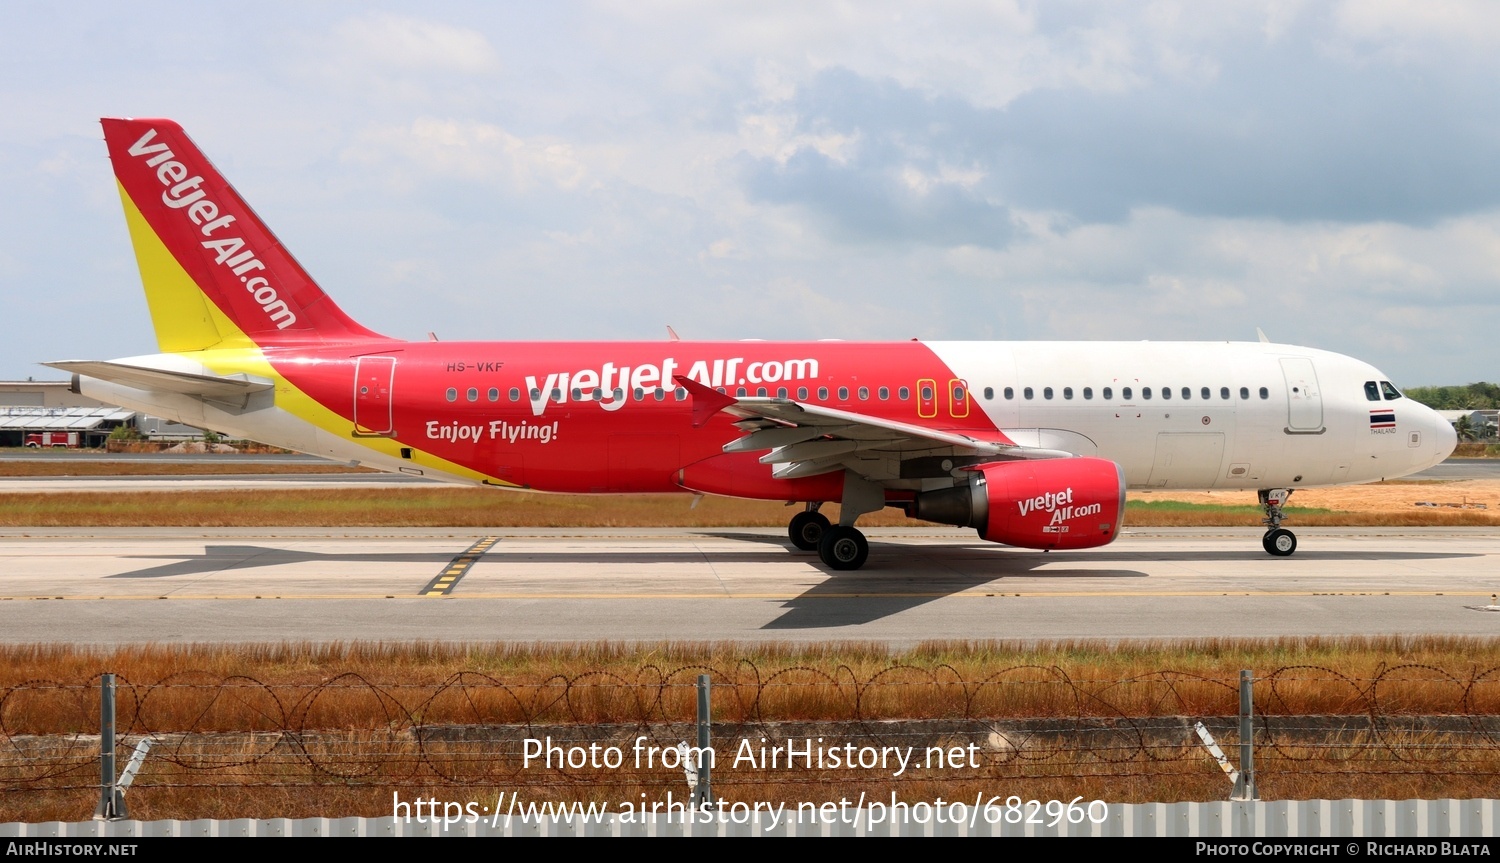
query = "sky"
{"x": 1328, "y": 172}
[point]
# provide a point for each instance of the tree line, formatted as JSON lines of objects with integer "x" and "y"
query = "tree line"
{"x": 1479, "y": 396}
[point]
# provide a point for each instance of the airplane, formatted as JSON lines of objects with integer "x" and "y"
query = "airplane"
{"x": 1033, "y": 444}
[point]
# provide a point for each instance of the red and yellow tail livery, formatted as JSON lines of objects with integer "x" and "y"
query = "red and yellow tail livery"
{"x": 215, "y": 275}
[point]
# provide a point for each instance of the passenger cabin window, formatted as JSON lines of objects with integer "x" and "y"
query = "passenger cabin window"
{"x": 515, "y": 394}
{"x": 740, "y": 393}
{"x": 926, "y": 394}
{"x": 452, "y": 394}
{"x": 494, "y": 394}
{"x": 958, "y": 394}
{"x": 989, "y": 393}
{"x": 1244, "y": 393}
{"x": 801, "y": 394}
{"x": 760, "y": 392}
{"x": 1088, "y": 392}
{"x": 1046, "y": 392}
{"x": 1145, "y": 393}
{"x": 1390, "y": 392}
{"x": 1067, "y": 392}
{"x": 1125, "y": 393}
{"x": 473, "y": 394}
{"x": 884, "y": 392}
{"x": 1204, "y": 393}
{"x": 903, "y": 393}
{"x": 822, "y": 394}
{"x": 781, "y": 392}
{"x": 864, "y": 393}
{"x": 1166, "y": 392}
{"x": 1265, "y": 393}
{"x": 1224, "y": 393}
{"x": 1026, "y": 393}
{"x": 1108, "y": 393}
{"x": 1187, "y": 392}
{"x": 1010, "y": 393}
{"x": 843, "y": 394}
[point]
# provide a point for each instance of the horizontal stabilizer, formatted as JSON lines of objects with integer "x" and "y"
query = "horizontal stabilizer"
{"x": 161, "y": 380}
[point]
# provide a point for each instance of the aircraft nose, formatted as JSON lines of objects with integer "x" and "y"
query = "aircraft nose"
{"x": 1444, "y": 436}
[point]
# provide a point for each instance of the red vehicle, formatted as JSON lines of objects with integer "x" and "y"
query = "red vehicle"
{"x": 65, "y": 439}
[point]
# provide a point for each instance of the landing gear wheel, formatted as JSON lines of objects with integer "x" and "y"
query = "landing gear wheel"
{"x": 806, "y": 529}
{"x": 843, "y": 548}
{"x": 1280, "y": 542}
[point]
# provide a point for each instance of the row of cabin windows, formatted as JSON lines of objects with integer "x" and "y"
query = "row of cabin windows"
{"x": 680, "y": 394}
{"x": 1128, "y": 393}
{"x": 640, "y": 393}
{"x": 884, "y": 393}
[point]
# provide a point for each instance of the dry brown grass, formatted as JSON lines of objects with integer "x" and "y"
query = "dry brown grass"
{"x": 446, "y": 506}
{"x": 300, "y": 730}
{"x": 341, "y": 686}
{"x": 1395, "y": 497}
{"x": 436, "y": 506}
{"x": 227, "y": 467}
{"x": 1164, "y": 775}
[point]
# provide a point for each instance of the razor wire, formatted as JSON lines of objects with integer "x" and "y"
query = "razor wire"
{"x": 470, "y": 728}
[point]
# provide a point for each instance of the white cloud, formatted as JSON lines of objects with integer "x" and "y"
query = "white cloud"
{"x": 1412, "y": 30}
{"x": 383, "y": 40}
{"x": 430, "y": 148}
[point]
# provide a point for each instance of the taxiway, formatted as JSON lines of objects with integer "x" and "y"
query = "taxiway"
{"x": 115, "y": 586}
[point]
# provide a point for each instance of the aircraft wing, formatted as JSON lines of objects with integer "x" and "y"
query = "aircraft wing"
{"x": 165, "y": 380}
{"x": 807, "y": 439}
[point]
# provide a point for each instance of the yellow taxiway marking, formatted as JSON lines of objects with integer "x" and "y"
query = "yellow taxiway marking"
{"x": 448, "y": 579}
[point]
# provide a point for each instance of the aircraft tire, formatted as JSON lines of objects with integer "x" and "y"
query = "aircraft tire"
{"x": 843, "y": 548}
{"x": 807, "y": 529}
{"x": 1279, "y": 542}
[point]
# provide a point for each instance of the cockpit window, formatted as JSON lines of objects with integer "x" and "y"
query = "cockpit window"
{"x": 1391, "y": 394}
{"x": 1372, "y": 391}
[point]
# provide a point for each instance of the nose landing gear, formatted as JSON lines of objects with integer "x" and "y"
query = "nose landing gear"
{"x": 1278, "y": 541}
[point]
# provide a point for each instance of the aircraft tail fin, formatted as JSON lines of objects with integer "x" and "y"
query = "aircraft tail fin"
{"x": 214, "y": 274}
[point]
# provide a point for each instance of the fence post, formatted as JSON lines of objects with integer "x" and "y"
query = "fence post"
{"x": 703, "y": 794}
{"x": 1244, "y": 787}
{"x": 111, "y": 799}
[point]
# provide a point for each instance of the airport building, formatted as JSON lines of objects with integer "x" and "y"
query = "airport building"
{"x": 49, "y": 413}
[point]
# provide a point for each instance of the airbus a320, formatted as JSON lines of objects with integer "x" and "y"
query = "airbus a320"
{"x": 1034, "y": 444}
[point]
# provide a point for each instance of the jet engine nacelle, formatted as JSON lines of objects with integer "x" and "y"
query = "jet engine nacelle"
{"x": 1051, "y": 503}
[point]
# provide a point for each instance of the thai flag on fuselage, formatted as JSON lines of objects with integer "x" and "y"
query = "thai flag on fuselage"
{"x": 1385, "y": 418}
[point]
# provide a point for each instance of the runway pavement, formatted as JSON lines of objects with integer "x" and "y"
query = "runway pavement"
{"x": 112, "y": 586}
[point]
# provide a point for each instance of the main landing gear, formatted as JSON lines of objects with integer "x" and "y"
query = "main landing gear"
{"x": 807, "y": 528}
{"x": 839, "y": 546}
{"x": 843, "y": 547}
{"x": 1278, "y": 541}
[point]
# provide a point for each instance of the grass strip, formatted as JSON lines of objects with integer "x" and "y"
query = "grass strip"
{"x": 294, "y": 730}
{"x": 439, "y": 506}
